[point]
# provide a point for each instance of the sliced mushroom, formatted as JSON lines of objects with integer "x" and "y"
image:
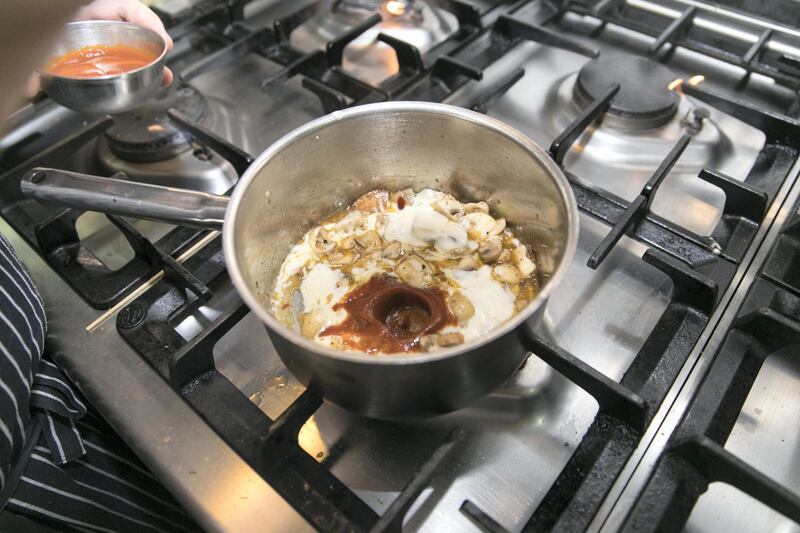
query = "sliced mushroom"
{"x": 505, "y": 257}
{"x": 310, "y": 325}
{"x": 450, "y": 339}
{"x": 479, "y": 225}
{"x": 348, "y": 243}
{"x": 341, "y": 258}
{"x": 351, "y": 221}
{"x": 507, "y": 273}
{"x": 369, "y": 241}
{"x": 477, "y": 207}
{"x": 415, "y": 271}
{"x": 372, "y": 202}
{"x": 461, "y": 307}
{"x": 490, "y": 250}
{"x": 449, "y": 207}
{"x": 499, "y": 226}
{"x": 392, "y": 250}
{"x": 427, "y": 342}
{"x": 380, "y": 223}
{"x": 321, "y": 241}
{"x": 468, "y": 262}
{"x": 525, "y": 265}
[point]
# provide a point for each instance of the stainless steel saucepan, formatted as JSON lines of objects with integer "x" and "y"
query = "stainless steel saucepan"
{"x": 321, "y": 168}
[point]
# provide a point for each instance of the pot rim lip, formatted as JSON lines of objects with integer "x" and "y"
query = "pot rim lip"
{"x": 511, "y": 134}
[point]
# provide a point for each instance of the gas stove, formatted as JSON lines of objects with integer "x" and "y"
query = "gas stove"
{"x": 662, "y": 388}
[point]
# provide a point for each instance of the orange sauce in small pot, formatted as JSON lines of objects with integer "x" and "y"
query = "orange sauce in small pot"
{"x": 99, "y": 60}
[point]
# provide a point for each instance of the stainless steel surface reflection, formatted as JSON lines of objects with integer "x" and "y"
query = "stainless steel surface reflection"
{"x": 220, "y": 491}
{"x": 248, "y": 116}
{"x": 621, "y": 160}
{"x": 365, "y": 58}
{"x": 524, "y": 431}
{"x": 106, "y": 241}
{"x": 768, "y": 421}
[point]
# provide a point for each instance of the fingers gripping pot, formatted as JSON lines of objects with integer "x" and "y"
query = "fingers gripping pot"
{"x": 323, "y": 167}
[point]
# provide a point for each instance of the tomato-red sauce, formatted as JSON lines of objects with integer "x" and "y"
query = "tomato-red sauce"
{"x": 93, "y": 61}
{"x": 386, "y": 315}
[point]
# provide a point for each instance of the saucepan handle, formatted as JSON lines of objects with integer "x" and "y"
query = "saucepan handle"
{"x": 120, "y": 197}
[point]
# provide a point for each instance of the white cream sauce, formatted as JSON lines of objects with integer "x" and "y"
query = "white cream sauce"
{"x": 419, "y": 225}
{"x": 493, "y": 302}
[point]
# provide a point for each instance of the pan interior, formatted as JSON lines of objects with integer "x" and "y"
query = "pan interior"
{"x": 325, "y": 168}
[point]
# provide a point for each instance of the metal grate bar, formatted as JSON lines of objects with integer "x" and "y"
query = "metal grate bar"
{"x": 562, "y": 143}
{"x": 233, "y": 154}
{"x": 678, "y": 26}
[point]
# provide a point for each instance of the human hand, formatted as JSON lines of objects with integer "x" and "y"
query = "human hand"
{"x": 127, "y": 11}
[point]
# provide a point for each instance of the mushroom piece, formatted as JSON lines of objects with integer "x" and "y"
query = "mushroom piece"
{"x": 479, "y": 225}
{"x": 372, "y": 202}
{"x": 340, "y": 258}
{"x": 351, "y": 221}
{"x": 525, "y": 265}
{"x": 348, "y": 243}
{"x": 380, "y": 223}
{"x": 310, "y": 325}
{"x": 468, "y": 262}
{"x": 426, "y": 342}
{"x": 477, "y": 207}
{"x": 392, "y": 250}
{"x": 461, "y": 307}
{"x": 321, "y": 241}
{"x": 450, "y": 339}
{"x": 490, "y": 250}
{"x": 449, "y": 207}
{"x": 505, "y": 257}
{"x": 499, "y": 226}
{"x": 507, "y": 273}
{"x": 415, "y": 271}
{"x": 369, "y": 241}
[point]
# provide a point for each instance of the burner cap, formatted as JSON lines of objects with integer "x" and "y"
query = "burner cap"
{"x": 146, "y": 135}
{"x": 643, "y": 96}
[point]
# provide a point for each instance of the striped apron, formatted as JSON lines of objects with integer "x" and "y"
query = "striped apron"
{"x": 61, "y": 464}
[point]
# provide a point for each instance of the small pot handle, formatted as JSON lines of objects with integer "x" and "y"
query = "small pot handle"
{"x": 127, "y": 198}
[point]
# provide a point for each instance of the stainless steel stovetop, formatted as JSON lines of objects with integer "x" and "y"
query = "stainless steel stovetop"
{"x": 519, "y": 441}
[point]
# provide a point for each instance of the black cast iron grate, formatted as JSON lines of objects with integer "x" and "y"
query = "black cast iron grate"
{"x": 696, "y": 456}
{"x": 53, "y": 232}
{"x": 696, "y": 265}
{"x": 625, "y": 407}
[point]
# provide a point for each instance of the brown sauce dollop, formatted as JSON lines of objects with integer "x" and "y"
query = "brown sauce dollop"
{"x": 389, "y": 316}
{"x": 93, "y": 61}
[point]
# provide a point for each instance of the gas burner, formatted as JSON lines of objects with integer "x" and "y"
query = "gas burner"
{"x": 147, "y": 147}
{"x": 416, "y": 23}
{"x": 146, "y": 135}
{"x": 644, "y": 99}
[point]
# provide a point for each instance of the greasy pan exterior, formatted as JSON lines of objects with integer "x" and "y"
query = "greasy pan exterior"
{"x": 325, "y": 165}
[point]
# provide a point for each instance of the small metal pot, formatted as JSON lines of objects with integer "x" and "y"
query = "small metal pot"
{"x": 107, "y": 94}
{"x": 324, "y": 166}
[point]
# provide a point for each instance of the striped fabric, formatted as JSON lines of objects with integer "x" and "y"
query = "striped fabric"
{"x": 60, "y": 463}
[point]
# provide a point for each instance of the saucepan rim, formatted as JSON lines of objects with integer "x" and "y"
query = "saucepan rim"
{"x": 229, "y": 231}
